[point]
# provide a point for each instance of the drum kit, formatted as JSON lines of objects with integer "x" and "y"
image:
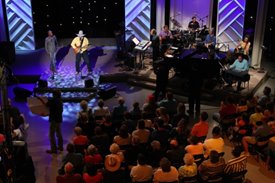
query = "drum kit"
{"x": 188, "y": 38}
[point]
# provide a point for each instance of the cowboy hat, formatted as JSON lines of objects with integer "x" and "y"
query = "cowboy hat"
{"x": 112, "y": 162}
{"x": 80, "y": 34}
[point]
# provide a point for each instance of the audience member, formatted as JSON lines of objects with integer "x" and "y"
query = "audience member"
{"x": 155, "y": 153}
{"x": 215, "y": 143}
{"x": 130, "y": 124}
{"x": 181, "y": 114}
{"x": 136, "y": 113}
{"x": 265, "y": 98}
{"x": 149, "y": 107}
{"x": 161, "y": 134}
{"x": 141, "y": 172}
{"x": 142, "y": 133}
{"x": 175, "y": 153}
{"x": 118, "y": 112}
{"x": 76, "y": 159}
{"x": 92, "y": 156}
{"x": 79, "y": 139}
{"x": 169, "y": 103}
{"x": 100, "y": 111}
{"x": 70, "y": 176}
{"x": 190, "y": 167}
{"x": 101, "y": 141}
{"x": 262, "y": 130}
{"x": 181, "y": 133}
{"x": 212, "y": 167}
{"x": 256, "y": 116}
{"x": 92, "y": 175}
{"x": 123, "y": 138}
{"x": 200, "y": 129}
{"x": 237, "y": 163}
{"x": 196, "y": 147}
{"x": 166, "y": 172}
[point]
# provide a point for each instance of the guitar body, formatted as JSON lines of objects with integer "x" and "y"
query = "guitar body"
{"x": 77, "y": 49}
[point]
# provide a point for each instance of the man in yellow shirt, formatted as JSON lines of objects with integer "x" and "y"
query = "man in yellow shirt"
{"x": 80, "y": 45}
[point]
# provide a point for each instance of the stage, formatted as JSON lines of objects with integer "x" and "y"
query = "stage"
{"x": 30, "y": 67}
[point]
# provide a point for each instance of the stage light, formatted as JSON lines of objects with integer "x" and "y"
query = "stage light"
{"x": 80, "y": 17}
{"x": 80, "y": 22}
{"x": 60, "y": 24}
{"x": 104, "y": 8}
{"x": 115, "y": 3}
{"x": 72, "y": 7}
{"x": 105, "y": 19}
{"x": 73, "y": 22}
{"x": 94, "y": 1}
{"x": 96, "y": 21}
{"x": 96, "y": 17}
{"x": 47, "y": 5}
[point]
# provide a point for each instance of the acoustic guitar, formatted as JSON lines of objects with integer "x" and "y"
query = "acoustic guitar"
{"x": 77, "y": 49}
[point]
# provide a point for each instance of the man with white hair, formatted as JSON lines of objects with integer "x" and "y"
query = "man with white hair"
{"x": 80, "y": 45}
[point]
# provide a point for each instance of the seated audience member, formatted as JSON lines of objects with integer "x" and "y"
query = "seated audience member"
{"x": 107, "y": 126}
{"x": 166, "y": 172}
{"x": 92, "y": 175}
{"x": 115, "y": 150}
{"x": 136, "y": 112}
{"x": 269, "y": 112}
{"x": 130, "y": 124}
{"x": 69, "y": 176}
{"x": 195, "y": 147}
{"x": 101, "y": 141}
{"x": 161, "y": 134}
{"x": 113, "y": 171}
{"x": 190, "y": 167}
{"x": 155, "y": 153}
{"x": 76, "y": 159}
{"x": 84, "y": 110}
{"x": 242, "y": 106}
{"x": 161, "y": 113}
{"x": 141, "y": 172}
{"x": 16, "y": 117}
{"x": 181, "y": 133}
{"x": 237, "y": 163}
{"x": 142, "y": 133}
{"x": 227, "y": 109}
{"x": 79, "y": 139}
{"x": 237, "y": 71}
{"x": 118, "y": 112}
{"x": 215, "y": 143}
{"x": 181, "y": 114}
{"x": 92, "y": 156}
{"x": 212, "y": 167}
{"x": 169, "y": 103}
{"x": 100, "y": 111}
{"x": 262, "y": 130}
{"x": 257, "y": 116}
{"x": 175, "y": 153}
{"x": 131, "y": 152}
{"x": 265, "y": 98}
{"x": 270, "y": 162}
{"x": 84, "y": 123}
{"x": 149, "y": 108}
{"x": 242, "y": 128}
{"x": 200, "y": 129}
{"x": 123, "y": 138}
{"x": 251, "y": 103}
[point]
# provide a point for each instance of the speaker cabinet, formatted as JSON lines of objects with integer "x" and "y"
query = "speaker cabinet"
{"x": 89, "y": 83}
{"x": 7, "y": 52}
{"x": 107, "y": 92}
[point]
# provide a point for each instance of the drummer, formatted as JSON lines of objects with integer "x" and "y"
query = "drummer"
{"x": 193, "y": 25}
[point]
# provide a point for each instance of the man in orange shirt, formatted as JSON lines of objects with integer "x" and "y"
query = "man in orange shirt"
{"x": 200, "y": 129}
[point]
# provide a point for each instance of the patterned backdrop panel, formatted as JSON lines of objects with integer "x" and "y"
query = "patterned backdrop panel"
{"x": 19, "y": 15}
{"x": 138, "y": 19}
{"x": 230, "y": 25}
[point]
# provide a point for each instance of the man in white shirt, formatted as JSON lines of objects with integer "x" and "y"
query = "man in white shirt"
{"x": 80, "y": 45}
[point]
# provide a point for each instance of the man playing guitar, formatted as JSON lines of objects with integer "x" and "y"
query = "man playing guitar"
{"x": 80, "y": 45}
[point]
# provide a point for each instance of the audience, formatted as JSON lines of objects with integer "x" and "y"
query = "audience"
{"x": 169, "y": 103}
{"x": 195, "y": 147}
{"x": 136, "y": 113}
{"x": 92, "y": 175}
{"x": 100, "y": 111}
{"x": 181, "y": 114}
{"x": 118, "y": 112}
{"x": 79, "y": 139}
{"x": 92, "y": 156}
{"x": 175, "y": 153}
{"x": 123, "y": 138}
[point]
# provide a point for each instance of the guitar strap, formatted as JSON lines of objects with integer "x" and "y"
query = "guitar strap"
{"x": 81, "y": 42}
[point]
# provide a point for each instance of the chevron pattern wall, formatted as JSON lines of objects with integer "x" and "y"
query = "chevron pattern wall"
{"x": 19, "y": 15}
{"x": 230, "y": 24}
{"x": 138, "y": 19}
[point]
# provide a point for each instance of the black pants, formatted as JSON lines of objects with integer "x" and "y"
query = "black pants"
{"x": 85, "y": 57}
{"x": 231, "y": 75}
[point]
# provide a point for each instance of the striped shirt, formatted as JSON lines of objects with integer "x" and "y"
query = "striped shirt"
{"x": 236, "y": 165}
